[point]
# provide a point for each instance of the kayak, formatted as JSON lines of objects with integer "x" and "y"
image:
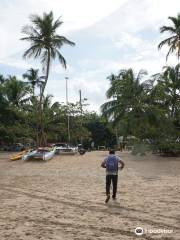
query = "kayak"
{"x": 17, "y": 156}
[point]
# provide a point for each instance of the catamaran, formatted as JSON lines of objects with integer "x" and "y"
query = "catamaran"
{"x": 44, "y": 154}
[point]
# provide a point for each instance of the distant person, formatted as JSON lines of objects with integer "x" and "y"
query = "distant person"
{"x": 112, "y": 163}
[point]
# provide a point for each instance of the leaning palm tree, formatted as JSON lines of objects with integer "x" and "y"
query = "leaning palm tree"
{"x": 32, "y": 76}
{"x": 173, "y": 41}
{"x": 45, "y": 43}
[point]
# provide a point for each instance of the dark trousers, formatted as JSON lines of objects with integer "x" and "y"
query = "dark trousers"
{"x": 114, "y": 180}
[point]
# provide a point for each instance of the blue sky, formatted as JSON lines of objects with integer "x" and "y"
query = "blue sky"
{"x": 109, "y": 35}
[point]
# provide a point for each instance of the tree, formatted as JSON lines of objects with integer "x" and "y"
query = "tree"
{"x": 16, "y": 92}
{"x": 2, "y": 79}
{"x": 149, "y": 110}
{"x": 170, "y": 80}
{"x": 45, "y": 43}
{"x": 126, "y": 93}
{"x": 101, "y": 130}
{"x": 173, "y": 41}
{"x": 32, "y": 76}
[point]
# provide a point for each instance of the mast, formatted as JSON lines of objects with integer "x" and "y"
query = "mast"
{"x": 69, "y": 137}
{"x": 80, "y": 103}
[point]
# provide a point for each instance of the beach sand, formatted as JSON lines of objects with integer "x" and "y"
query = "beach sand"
{"x": 63, "y": 199}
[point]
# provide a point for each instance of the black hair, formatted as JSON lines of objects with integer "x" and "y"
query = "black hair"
{"x": 111, "y": 151}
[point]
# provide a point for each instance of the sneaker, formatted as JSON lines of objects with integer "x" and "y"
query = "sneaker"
{"x": 107, "y": 199}
{"x": 114, "y": 198}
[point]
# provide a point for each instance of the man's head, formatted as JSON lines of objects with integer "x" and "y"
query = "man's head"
{"x": 111, "y": 151}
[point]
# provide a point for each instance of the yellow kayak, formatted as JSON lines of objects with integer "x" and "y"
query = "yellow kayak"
{"x": 17, "y": 156}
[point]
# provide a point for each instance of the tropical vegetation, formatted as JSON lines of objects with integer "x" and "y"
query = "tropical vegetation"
{"x": 173, "y": 41}
{"x": 140, "y": 109}
{"x": 45, "y": 44}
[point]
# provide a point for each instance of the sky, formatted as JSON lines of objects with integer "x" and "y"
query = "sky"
{"x": 109, "y": 34}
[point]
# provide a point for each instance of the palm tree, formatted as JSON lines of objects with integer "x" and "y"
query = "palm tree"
{"x": 126, "y": 97}
{"x": 16, "y": 92}
{"x": 169, "y": 81}
{"x": 125, "y": 93}
{"x": 2, "y": 79}
{"x": 173, "y": 41}
{"x": 45, "y": 43}
{"x": 32, "y": 76}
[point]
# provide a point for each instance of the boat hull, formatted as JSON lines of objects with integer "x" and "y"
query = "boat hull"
{"x": 45, "y": 156}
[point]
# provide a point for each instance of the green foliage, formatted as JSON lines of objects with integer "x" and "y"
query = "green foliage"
{"x": 102, "y": 133}
{"x": 45, "y": 44}
{"x": 173, "y": 42}
{"x": 44, "y": 41}
{"x": 32, "y": 76}
{"x": 148, "y": 110}
{"x": 20, "y": 119}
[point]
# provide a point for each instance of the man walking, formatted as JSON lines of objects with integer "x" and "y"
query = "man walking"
{"x": 111, "y": 163}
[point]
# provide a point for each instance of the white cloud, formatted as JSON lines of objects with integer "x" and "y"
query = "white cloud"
{"x": 79, "y": 14}
{"x": 75, "y": 14}
{"x": 19, "y": 63}
{"x": 136, "y": 15}
{"x": 117, "y": 28}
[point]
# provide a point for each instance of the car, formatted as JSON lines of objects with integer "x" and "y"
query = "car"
{"x": 16, "y": 147}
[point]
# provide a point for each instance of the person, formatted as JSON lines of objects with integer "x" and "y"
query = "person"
{"x": 112, "y": 163}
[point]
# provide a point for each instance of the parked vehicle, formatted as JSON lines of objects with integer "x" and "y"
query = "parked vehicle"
{"x": 81, "y": 150}
{"x": 16, "y": 147}
{"x": 64, "y": 148}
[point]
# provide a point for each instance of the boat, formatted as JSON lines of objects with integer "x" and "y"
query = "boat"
{"x": 44, "y": 154}
{"x": 18, "y": 156}
{"x": 64, "y": 148}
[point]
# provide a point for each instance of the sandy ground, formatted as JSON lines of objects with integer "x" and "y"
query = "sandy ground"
{"x": 63, "y": 199}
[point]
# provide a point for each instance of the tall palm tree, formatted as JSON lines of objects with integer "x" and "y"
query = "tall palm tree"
{"x": 44, "y": 41}
{"x": 173, "y": 41}
{"x": 45, "y": 44}
{"x": 32, "y": 76}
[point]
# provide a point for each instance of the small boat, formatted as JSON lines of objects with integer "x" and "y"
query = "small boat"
{"x": 64, "y": 148}
{"x": 44, "y": 154}
{"x": 18, "y": 156}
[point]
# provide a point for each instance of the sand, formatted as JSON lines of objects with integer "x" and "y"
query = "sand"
{"x": 64, "y": 199}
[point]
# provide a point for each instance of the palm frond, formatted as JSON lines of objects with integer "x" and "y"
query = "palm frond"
{"x": 166, "y": 41}
{"x": 61, "y": 59}
{"x": 167, "y": 29}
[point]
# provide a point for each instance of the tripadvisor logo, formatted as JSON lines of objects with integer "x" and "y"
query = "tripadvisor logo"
{"x": 139, "y": 231}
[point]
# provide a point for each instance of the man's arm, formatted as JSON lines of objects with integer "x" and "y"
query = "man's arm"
{"x": 103, "y": 164}
{"x": 122, "y": 164}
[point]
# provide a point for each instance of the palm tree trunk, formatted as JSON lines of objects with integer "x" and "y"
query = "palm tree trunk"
{"x": 44, "y": 142}
{"x": 46, "y": 78}
{"x": 117, "y": 138}
{"x": 33, "y": 91}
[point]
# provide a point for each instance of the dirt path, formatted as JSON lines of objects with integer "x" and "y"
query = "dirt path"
{"x": 64, "y": 199}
